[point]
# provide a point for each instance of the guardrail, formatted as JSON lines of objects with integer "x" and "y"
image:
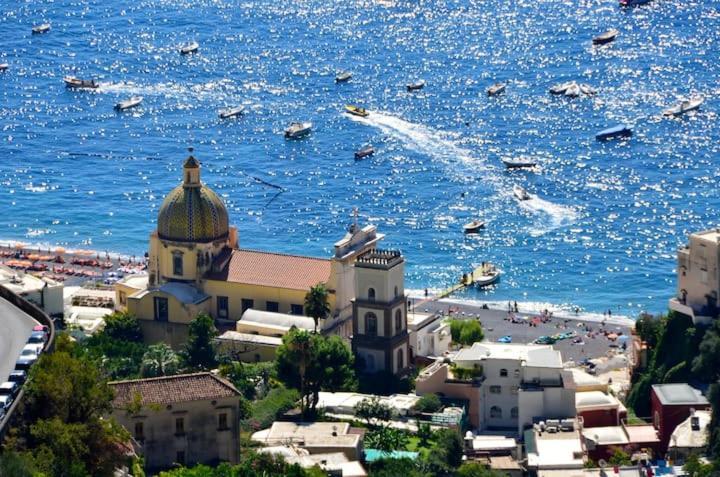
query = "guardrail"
{"x": 43, "y": 318}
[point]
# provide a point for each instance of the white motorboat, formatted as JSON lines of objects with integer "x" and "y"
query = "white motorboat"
{"x": 73, "y": 82}
{"x": 520, "y": 193}
{"x": 43, "y": 28}
{"x": 296, "y": 130}
{"x": 573, "y": 91}
{"x": 561, "y": 87}
{"x": 416, "y": 86}
{"x": 4, "y": 66}
{"x": 188, "y": 48}
{"x": 473, "y": 227}
{"x": 343, "y": 77}
{"x": 488, "y": 275}
{"x": 519, "y": 163}
{"x": 684, "y": 107}
{"x": 128, "y": 103}
{"x": 231, "y": 112}
{"x": 606, "y": 37}
{"x": 496, "y": 89}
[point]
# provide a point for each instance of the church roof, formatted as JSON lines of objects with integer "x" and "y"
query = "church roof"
{"x": 269, "y": 269}
{"x": 172, "y": 389}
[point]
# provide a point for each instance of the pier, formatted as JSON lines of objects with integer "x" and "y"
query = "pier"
{"x": 485, "y": 274}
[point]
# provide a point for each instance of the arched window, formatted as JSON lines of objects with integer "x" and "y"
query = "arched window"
{"x": 400, "y": 359}
{"x": 371, "y": 294}
{"x": 370, "y": 324}
{"x": 396, "y": 292}
{"x": 495, "y": 412}
{"x": 398, "y": 321}
{"x": 503, "y": 373}
{"x": 514, "y": 413}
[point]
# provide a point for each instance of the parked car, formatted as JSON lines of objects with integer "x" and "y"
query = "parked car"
{"x": 545, "y": 340}
{"x": 505, "y": 339}
{"x": 18, "y": 376}
{"x": 9, "y": 388}
{"x": 42, "y": 328}
{"x": 31, "y": 349}
{"x": 5, "y": 402}
{"x": 23, "y": 363}
{"x": 2, "y": 414}
{"x": 38, "y": 337}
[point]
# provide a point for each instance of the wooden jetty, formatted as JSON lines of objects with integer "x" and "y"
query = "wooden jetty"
{"x": 485, "y": 274}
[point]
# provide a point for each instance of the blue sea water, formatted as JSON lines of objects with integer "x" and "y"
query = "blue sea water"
{"x": 608, "y": 217}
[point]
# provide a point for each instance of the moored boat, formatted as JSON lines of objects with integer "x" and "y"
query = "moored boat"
{"x": 473, "y": 227}
{"x": 519, "y": 163}
{"x": 42, "y": 28}
{"x": 356, "y": 111}
{"x": 4, "y": 66}
{"x": 620, "y": 130}
{"x": 416, "y": 85}
{"x": 684, "y": 107}
{"x": 606, "y": 37}
{"x": 560, "y": 88}
{"x": 364, "y": 152}
{"x": 573, "y": 91}
{"x": 128, "y": 103}
{"x": 188, "y": 48}
{"x": 488, "y": 275}
{"x": 296, "y": 130}
{"x": 231, "y": 112}
{"x": 633, "y": 3}
{"x": 520, "y": 193}
{"x": 496, "y": 89}
{"x": 73, "y": 82}
{"x": 343, "y": 77}
{"x": 587, "y": 89}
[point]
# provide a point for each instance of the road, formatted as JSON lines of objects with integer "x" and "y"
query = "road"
{"x": 15, "y": 329}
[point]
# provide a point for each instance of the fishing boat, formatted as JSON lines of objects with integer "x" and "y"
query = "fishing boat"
{"x": 343, "y": 77}
{"x": 416, "y": 86}
{"x": 496, "y": 89}
{"x": 684, "y": 107}
{"x": 188, "y": 48}
{"x": 473, "y": 227}
{"x": 43, "y": 28}
{"x": 231, "y": 112}
{"x": 73, "y": 82}
{"x": 561, "y": 87}
{"x": 364, "y": 152}
{"x": 296, "y": 130}
{"x": 620, "y": 130}
{"x": 128, "y": 103}
{"x": 607, "y": 37}
{"x": 573, "y": 90}
{"x": 488, "y": 275}
{"x": 4, "y": 66}
{"x": 520, "y": 193}
{"x": 356, "y": 111}
{"x": 519, "y": 163}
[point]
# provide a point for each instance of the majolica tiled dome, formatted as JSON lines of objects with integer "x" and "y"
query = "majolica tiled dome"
{"x": 192, "y": 212}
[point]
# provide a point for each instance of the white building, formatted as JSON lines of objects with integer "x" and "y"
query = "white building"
{"x": 429, "y": 334}
{"x": 691, "y": 435}
{"x": 43, "y": 292}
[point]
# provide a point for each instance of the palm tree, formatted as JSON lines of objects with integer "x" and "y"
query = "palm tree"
{"x": 316, "y": 303}
{"x": 159, "y": 360}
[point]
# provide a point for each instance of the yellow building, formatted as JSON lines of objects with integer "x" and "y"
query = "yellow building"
{"x": 196, "y": 266}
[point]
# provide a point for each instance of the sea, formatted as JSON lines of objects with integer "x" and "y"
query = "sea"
{"x": 603, "y": 226}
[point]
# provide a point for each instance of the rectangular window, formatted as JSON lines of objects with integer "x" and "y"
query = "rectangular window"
{"x": 272, "y": 306}
{"x": 139, "y": 431}
{"x": 222, "y": 422}
{"x": 177, "y": 264}
{"x": 222, "y": 307}
{"x": 514, "y": 390}
{"x": 161, "y": 309}
{"x": 180, "y": 425}
{"x": 180, "y": 457}
{"x": 297, "y": 310}
{"x": 246, "y": 304}
{"x": 495, "y": 389}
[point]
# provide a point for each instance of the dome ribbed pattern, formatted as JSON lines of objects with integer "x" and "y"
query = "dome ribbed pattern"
{"x": 192, "y": 214}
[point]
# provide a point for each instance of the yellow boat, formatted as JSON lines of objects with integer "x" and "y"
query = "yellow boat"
{"x": 357, "y": 111}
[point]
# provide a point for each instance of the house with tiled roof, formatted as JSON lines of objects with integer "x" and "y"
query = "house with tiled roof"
{"x": 185, "y": 419}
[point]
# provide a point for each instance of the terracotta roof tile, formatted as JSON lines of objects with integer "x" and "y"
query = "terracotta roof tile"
{"x": 271, "y": 269}
{"x": 172, "y": 389}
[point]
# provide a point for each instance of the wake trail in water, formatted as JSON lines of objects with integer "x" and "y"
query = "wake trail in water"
{"x": 559, "y": 215}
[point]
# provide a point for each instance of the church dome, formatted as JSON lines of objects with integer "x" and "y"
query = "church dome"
{"x": 192, "y": 212}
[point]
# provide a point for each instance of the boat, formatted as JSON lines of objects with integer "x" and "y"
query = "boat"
{"x": 128, "y": 103}
{"x": 356, "y": 111}
{"x": 4, "y": 66}
{"x": 573, "y": 91}
{"x": 188, "y": 48}
{"x": 520, "y": 193}
{"x": 587, "y": 89}
{"x": 231, "y": 112}
{"x": 496, "y": 89}
{"x": 473, "y": 227}
{"x": 343, "y": 77}
{"x": 364, "y": 152}
{"x": 296, "y": 130}
{"x": 488, "y": 275}
{"x": 561, "y": 87}
{"x": 684, "y": 107}
{"x": 43, "y": 28}
{"x": 607, "y": 37}
{"x": 416, "y": 86}
{"x": 73, "y": 82}
{"x": 633, "y": 3}
{"x": 518, "y": 163}
{"x": 620, "y": 130}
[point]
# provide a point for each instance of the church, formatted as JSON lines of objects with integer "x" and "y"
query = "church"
{"x": 196, "y": 265}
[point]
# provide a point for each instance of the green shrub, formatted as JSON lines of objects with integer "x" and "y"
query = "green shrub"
{"x": 428, "y": 403}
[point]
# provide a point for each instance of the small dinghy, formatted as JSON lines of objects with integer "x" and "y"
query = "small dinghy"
{"x": 561, "y": 87}
{"x": 296, "y": 130}
{"x": 573, "y": 91}
{"x": 520, "y": 193}
{"x": 418, "y": 85}
{"x": 128, "y": 103}
{"x": 473, "y": 227}
{"x": 73, "y": 82}
{"x": 191, "y": 47}
{"x": 519, "y": 163}
{"x": 607, "y": 37}
{"x": 684, "y": 107}
{"x": 44, "y": 28}
{"x": 343, "y": 77}
{"x": 488, "y": 275}
{"x": 231, "y": 112}
{"x": 364, "y": 152}
{"x": 4, "y": 66}
{"x": 496, "y": 89}
{"x": 620, "y": 130}
{"x": 356, "y": 111}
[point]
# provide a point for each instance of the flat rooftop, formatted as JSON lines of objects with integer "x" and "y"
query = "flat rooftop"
{"x": 679, "y": 394}
{"x": 711, "y": 235}
{"x": 542, "y": 356}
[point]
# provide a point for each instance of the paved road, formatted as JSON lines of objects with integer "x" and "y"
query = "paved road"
{"x": 15, "y": 329}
